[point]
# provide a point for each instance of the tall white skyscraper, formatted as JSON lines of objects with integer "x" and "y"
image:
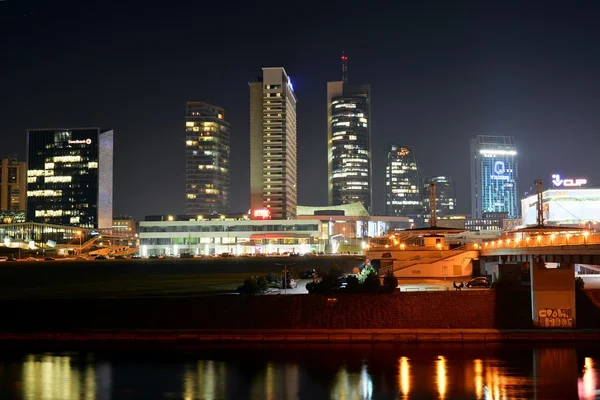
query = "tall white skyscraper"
{"x": 273, "y": 152}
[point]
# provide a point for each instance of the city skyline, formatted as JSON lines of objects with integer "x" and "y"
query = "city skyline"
{"x": 435, "y": 90}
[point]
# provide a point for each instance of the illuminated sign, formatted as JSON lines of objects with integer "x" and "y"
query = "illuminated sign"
{"x": 499, "y": 170}
{"x": 558, "y": 182}
{"x": 263, "y": 213}
{"x": 86, "y": 141}
{"x": 403, "y": 151}
{"x": 290, "y": 84}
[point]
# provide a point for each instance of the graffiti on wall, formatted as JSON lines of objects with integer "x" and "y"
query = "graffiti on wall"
{"x": 555, "y": 318}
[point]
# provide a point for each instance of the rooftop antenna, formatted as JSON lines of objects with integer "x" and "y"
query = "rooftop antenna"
{"x": 344, "y": 68}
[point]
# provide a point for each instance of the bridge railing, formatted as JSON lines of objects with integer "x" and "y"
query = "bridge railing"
{"x": 582, "y": 239}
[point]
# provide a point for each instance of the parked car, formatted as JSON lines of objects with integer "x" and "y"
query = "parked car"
{"x": 120, "y": 258}
{"x": 101, "y": 257}
{"x": 291, "y": 284}
{"x": 309, "y": 273}
{"x": 49, "y": 259}
{"x": 480, "y": 281}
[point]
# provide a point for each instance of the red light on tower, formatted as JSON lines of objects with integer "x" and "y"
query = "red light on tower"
{"x": 344, "y": 58}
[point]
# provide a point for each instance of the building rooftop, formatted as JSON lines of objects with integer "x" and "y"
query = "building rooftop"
{"x": 350, "y": 210}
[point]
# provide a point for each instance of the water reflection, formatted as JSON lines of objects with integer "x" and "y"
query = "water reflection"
{"x": 588, "y": 384}
{"x": 51, "y": 377}
{"x": 404, "y": 376}
{"x": 351, "y": 385}
{"x": 273, "y": 374}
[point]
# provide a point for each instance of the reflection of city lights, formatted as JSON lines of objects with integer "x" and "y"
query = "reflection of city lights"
{"x": 352, "y": 386}
{"x": 588, "y": 391}
{"x": 478, "y": 378}
{"x": 441, "y": 376}
{"x": 404, "y": 376}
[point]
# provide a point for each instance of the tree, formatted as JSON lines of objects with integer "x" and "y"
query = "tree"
{"x": 390, "y": 282}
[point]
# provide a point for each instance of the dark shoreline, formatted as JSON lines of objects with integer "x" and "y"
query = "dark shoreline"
{"x": 313, "y": 336}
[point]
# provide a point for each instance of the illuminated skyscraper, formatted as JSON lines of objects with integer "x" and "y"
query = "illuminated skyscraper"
{"x": 402, "y": 185}
{"x": 445, "y": 199}
{"x": 273, "y": 154}
{"x": 13, "y": 184}
{"x": 349, "y": 142}
{"x": 494, "y": 176}
{"x": 70, "y": 176}
{"x": 206, "y": 159}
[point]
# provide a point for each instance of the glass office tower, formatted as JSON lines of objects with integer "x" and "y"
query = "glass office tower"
{"x": 402, "y": 184}
{"x": 349, "y": 143}
{"x": 206, "y": 159}
{"x": 494, "y": 176}
{"x": 445, "y": 196}
{"x": 70, "y": 177}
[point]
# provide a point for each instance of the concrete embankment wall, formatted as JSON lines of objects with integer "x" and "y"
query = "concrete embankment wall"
{"x": 466, "y": 316}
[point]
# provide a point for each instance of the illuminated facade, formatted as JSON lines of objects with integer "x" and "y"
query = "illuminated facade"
{"x": 445, "y": 197}
{"x": 494, "y": 176}
{"x": 273, "y": 152}
{"x": 402, "y": 184}
{"x": 174, "y": 235}
{"x": 579, "y": 207}
{"x": 70, "y": 177}
{"x": 13, "y": 184}
{"x": 349, "y": 143}
{"x": 206, "y": 159}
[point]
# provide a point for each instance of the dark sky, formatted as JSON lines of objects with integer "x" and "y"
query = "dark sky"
{"x": 440, "y": 74}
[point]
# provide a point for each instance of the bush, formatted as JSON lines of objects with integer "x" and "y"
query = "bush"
{"x": 327, "y": 285}
{"x": 253, "y": 285}
{"x": 390, "y": 282}
{"x": 371, "y": 283}
{"x": 273, "y": 277}
{"x": 262, "y": 284}
{"x": 250, "y": 286}
{"x": 579, "y": 283}
{"x": 366, "y": 271}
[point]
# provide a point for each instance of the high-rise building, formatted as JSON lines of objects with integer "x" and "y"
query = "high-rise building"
{"x": 70, "y": 176}
{"x": 349, "y": 142}
{"x": 402, "y": 184}
{"x": 494, "y": 176}
{"x": 13, "y": 184}
{"x": 445, "y": 196}
{"x": 273, "y": 154}
{"x": 206, "y": 159}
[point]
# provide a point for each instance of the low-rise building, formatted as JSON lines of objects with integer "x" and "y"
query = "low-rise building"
{"x": 173, "y": 235}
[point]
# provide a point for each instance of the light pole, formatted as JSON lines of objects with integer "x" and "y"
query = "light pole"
{"x": 285, "y": 271}
{"x": 79, "y": 234}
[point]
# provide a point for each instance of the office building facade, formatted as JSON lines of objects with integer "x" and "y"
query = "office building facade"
{"x": 445, "y": 196}
{"x": 13, "y": 184}
{"x": 402, "y": 184}
{"x": 70, "y": 177}
{"x": 207, "y": 150}
{"x": 273, "y": 151}
{"x": 349, "y": 162}
{"x": 494, "y": 176}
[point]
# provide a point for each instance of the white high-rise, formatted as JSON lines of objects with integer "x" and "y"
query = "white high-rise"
{"x": 273, "y": 151}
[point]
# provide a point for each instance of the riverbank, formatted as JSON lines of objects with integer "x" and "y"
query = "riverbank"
{"x": 311, "y": 336}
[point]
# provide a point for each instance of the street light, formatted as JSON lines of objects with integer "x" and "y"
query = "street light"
{"x": 79, "y": 235}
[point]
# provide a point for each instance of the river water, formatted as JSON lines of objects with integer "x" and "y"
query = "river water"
{"x": 303, "y": 372}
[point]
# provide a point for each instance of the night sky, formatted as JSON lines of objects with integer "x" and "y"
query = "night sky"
{"x": 440, "y": 74}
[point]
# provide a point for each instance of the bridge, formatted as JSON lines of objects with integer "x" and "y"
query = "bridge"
{"x": 549, "y": 254}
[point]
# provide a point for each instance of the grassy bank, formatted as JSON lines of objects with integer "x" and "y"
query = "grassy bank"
{"x": 132, "y": 278}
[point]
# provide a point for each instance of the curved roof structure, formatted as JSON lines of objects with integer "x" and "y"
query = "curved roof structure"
{"x": 356, "y": 209}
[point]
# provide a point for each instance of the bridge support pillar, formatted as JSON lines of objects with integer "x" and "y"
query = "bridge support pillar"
{"x": 552, "y": 295}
